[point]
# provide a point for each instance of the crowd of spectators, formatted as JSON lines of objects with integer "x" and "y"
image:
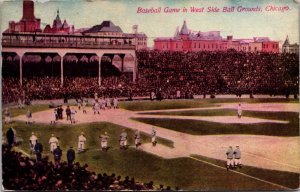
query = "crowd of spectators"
{"x": 190, "y": 73}
{"x": 229, "y": 72}
{"x": 23, "y": 173}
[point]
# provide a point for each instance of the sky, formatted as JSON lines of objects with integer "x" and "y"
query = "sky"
{"x": 86, "y": 13}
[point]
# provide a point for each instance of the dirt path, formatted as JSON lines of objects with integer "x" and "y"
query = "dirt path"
{"x": 268, "y": 152}
{"x": 216, "y": 119}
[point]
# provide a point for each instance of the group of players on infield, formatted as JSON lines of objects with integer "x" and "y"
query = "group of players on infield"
{"x": 233, "y": 156}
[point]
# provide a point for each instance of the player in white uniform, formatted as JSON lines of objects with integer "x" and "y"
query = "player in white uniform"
{"x": 32, "y": 141}
{"x": 137, "y": 138}
{"x": 7, "y": 116}
{"x": 237, "y": 157}
{"x": 153, "y": 137}
{"x": 84, "y": 104}
{"x": 29, "y": 117}
{"x": 239, "y": 111}
{"x": 79, "y": 104}
{"x": 103, "y": 103}
{"x": 20, "y": 104}
{"x": 96, "y": 108}
{"x": 53, "y": 142}
{"x": 104, "y": 142}
{"x": 123, "y": 140}
{"x": 229, "y": 155}
{"x": 55, "y": 116}
{"x": 81, "y": 142}
{"x": 115, "y": 103}
{"x": 73, "y": 112}
{"x": 108, "y": 103}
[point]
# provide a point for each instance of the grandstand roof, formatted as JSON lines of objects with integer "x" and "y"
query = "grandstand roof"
{"x": 105, "y": 26}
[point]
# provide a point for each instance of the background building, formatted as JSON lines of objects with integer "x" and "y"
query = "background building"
{"x": 58, "y": 26}
{"x": 290, "y": 48}
{"x": 185, "y": 40}
{"x": 28, "y": 23}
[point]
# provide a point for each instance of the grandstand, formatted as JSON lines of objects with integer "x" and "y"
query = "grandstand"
{"x": 192, "y": 73}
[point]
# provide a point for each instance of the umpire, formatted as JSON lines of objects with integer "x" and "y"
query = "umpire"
{"x": 70, "y": 156}
{"x": 38, "y": 148}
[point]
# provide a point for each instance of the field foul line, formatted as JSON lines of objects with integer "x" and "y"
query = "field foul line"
{"x": 274, "y": 184}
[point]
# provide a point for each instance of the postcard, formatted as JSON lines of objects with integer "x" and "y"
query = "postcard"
{"x": 150, "y": 95}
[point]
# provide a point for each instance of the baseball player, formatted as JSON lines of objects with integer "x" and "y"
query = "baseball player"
{"x": 123, "y": 140}
{"x": 20, "y": 104}
{"x": 102, "y": 103}
{"x": 53, "y": 142}
{"x": 229, "y": 154}
{"x": 73, "y": 112}
{"x": 68, "y": 113}
{"x": 32, "y": 142}
{"x": 153, "y": 135}
{"x": 38, "y": 148}
{"x": 84, "y": 103}
{"x": 97, "y": 108}
{"x": 104, "y": 142}
{"x": 79, "y": 104}
{"x": 108, "y": 103}
{"x": 137, "y": 138}
{"x": 55, "y": 116}
{"x": 10, "y": 137}
{"x": 70, "y": 156}
{"x": 57, "y": 153}
{"x": 29, "y": 117}
{"x": 237, "y": 157}
{"x": 115, "y": 103}
{"x": 239, "y": 111}
{"x": 7, "y": 116}
{"x": 81, "y": 142}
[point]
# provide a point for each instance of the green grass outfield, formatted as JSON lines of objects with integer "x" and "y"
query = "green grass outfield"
{"x": 198, "y": 127}
{"x": 193, "y": 103}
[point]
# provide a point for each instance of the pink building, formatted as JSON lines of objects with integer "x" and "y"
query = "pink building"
{"x": 58, "y": 26}
{"x": 185, "y": 40}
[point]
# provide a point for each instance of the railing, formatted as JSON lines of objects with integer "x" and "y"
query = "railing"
{"x": 56, "y": 41}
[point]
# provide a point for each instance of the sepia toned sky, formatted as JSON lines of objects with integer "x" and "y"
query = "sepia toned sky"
{"x": 86, "y": 13}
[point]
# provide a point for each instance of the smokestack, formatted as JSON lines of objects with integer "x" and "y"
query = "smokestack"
{"x": 28, "y": 10}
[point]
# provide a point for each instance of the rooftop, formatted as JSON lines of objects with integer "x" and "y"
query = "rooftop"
{"x": 105, "y": 26}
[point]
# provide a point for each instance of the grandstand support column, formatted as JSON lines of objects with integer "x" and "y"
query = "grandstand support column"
{"x": 21, "y": 68}
{"x": 99, "y": 68}
{"x": 61, "y": 68}
{"x": 122, "y": 62}
{"x": 134, "y": 72}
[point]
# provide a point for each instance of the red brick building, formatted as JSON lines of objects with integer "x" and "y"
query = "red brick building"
{"x": 185, "y": 40}
{"x": 28, "y": 23}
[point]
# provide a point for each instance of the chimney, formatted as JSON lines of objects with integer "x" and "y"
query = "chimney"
{"x": 229, "y": 38}
{"x": 28, "y": 10}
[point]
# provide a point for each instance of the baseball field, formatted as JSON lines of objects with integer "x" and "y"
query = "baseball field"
{"x": 193, "y": 138}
